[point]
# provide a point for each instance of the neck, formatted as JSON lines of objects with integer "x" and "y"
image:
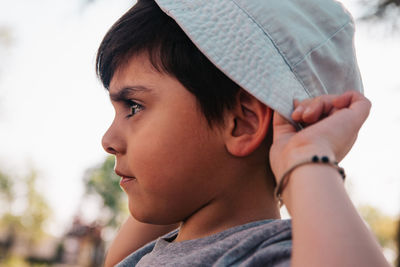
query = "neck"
{"x": 250, "y": 198}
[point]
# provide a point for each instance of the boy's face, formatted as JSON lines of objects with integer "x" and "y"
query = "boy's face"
{"x": 167, "y": 146}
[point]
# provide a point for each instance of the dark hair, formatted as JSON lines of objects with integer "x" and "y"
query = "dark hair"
{"x": 145, "y": 28}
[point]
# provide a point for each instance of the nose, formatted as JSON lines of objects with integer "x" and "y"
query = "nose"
{"x": 112, "y": 140}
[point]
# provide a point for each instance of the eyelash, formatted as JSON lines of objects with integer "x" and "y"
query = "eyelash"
{"x": 133, "y": 105}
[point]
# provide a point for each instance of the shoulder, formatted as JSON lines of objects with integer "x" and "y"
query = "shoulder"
{"x": 265, "y": 243}
{"x": 137, "y": 255}
{"x": 261, "y": 243}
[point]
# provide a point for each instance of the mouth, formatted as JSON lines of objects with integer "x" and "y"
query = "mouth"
{"x": 124, "y": 178}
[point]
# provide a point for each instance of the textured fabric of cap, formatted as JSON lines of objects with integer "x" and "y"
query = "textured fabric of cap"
{"x": 277, "y": 50}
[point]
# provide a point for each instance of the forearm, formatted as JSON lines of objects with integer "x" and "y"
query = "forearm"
{"x": 132, "y": 236}
{"x": 327, "y": 230}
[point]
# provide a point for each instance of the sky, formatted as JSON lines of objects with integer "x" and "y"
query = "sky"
{"x": 54, "y": 111}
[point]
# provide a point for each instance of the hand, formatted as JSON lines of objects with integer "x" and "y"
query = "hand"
{"x": 331, "y": 128}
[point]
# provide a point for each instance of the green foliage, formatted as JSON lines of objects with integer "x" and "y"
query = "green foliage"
{"x": 103, "y": 181}
{"x": 29, "y": 223}
{"x": 6, "y": 192}
{"x": 37, "y": 211}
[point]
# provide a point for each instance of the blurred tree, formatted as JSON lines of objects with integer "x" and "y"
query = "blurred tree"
{"x": 380, "y": 8}
{"x": 7, "y": 198}
{"x": 103, "y": 181}
{"x": 5, "y": 36}
{"x": 31, "y": 220}
{"x": 6, "y": 41}
{"x": 37, "y": 210}
{"x": 6, "y": 193}
{"x": 6, "y": 222}
{"x": 385, "y": 12}
{"x": 28, "y": 223}
{"x": 383, "y": 226}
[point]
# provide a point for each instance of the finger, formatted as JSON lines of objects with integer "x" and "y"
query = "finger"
{"x": 299, "y": 107}
{"x": 354, "y": 110}
{"x": 298, "y": 113}
{"x": 333, "y": 110}
{"x": 353, "y": 100}
{"x": 317, "y": 109}
{"x": 314, "y": 109}
{"x": 343, "y": 101}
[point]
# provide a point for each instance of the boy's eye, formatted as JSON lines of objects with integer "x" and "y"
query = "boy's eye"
{"x": 134, "y": 107}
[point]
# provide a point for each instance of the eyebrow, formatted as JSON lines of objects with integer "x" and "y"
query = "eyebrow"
{"x": 125, "y": 92}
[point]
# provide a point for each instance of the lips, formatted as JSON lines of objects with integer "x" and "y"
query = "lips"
{"x": 121, "y": 174}
{"x": 125, "y": 178}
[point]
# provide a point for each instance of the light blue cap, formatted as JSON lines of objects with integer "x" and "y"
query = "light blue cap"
{"x": 277, "y": 50}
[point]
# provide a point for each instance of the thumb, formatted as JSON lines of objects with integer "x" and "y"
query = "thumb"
{"x": 281, "y": 126}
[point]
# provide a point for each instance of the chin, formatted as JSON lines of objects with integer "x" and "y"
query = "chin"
{"x": 151, "y": 216}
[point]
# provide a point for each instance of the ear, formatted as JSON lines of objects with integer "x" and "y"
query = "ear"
{"x": 248, "y": 125}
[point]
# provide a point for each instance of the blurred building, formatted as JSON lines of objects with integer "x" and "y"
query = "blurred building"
{"x": 81, "y": 246}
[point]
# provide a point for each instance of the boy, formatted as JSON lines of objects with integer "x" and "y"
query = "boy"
{"x": 208, "y": 139}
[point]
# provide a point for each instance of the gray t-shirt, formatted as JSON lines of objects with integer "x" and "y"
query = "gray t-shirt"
{"x": 260, "y": 243}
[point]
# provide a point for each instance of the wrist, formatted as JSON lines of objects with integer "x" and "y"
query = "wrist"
{"x": 325, "y": 160}
{"x": 292, "y": 156}
{"x": 310, "y": 183}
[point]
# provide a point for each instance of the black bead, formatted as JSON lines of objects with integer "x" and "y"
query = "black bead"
{"x": 315, "y": 158}
{"x": 325, "y": 159}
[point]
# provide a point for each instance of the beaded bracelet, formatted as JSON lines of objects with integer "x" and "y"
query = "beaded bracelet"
{"x": 315, "y": 159}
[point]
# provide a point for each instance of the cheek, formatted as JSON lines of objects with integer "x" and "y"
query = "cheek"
{"x": 174, "y": 160}
{"x": 171, "y": 148}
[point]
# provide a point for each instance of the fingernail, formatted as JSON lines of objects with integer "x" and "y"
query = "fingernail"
{"x": 307, "y": 111}
{"x": 299, "y": 109}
